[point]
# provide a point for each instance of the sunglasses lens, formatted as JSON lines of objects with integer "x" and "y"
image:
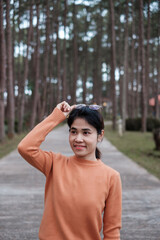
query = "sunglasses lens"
{"x": 94, "y": 107}
{"x": 79, "y": 106}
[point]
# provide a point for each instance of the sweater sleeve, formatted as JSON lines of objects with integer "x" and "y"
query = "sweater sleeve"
{"x": 113, "y": 209}
{"x": 29, "y": 146}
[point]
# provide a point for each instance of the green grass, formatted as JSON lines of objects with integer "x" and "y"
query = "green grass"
{"x": 137, "y": 146}
{"x": 9, "y": 145}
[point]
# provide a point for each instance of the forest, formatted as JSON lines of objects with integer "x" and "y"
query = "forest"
{"x": 81, "y": 51}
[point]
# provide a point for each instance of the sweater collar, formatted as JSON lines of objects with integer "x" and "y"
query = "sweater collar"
{"x": 85, "y": 161}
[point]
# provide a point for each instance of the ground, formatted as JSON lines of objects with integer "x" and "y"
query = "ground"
{"x": 22, "y": 193}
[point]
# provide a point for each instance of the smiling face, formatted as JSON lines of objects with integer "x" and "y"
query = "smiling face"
{"x": 83, "y": 139}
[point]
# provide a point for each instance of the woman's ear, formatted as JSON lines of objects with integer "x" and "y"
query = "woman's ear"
{"x": 100, "y": 136}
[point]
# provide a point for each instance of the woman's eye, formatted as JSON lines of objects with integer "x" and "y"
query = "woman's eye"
{"x": 73, "y": 132}
{"x": 86, "y": 133}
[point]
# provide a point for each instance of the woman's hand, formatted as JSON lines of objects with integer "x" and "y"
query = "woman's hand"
{"x": 65, "y": 108}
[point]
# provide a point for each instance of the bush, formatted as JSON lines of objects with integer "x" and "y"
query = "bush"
{"x": 135, "y": 124}
{"x": 152, "y": 123}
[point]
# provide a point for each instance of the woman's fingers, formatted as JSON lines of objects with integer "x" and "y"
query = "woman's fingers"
{"x": 64, "y": 107}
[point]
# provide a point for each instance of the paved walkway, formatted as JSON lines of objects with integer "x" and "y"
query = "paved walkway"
{"x": 22, "y": 189}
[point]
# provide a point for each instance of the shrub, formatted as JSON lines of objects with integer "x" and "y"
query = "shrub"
{"x": 152, "y": 123}
{"x": 135, "y": 124}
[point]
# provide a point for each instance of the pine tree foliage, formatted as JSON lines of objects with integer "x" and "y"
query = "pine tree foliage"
{"x": 62, "y": 50}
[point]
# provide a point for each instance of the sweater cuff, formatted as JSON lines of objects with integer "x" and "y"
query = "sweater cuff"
{"x": 58, "y": 115}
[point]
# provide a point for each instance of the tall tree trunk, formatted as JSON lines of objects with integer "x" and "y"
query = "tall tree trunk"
{"x": 148, "y": 56}
{"x": 97, "y": 83}
{"x": 51, "y": 94}
{"x": 17, "y": 73}
{"x": 13, "y": 40}
{"x": 75, "y": 55}
{"x": 95, "y": 73}
{"x": 144, "y": 100}
{"x": 10, "y": 85}
{"x": 21, "y": 92}
{"x": 36, "y": 85}
{"x": 137, "y": 93}
{"x": 64, "y": 92}
{"x": 85, "y": 70}
{"x": 113, "y": 65}
{"x": 99, "y": 57}
{"x": 124, "y": 84}
{"x": 59, "y": 97}
{"x": 46, "y": 56}
{"x": 85, "y": 59}
{"x": 153, "y": 90}
{"x": 119, "y": 63}
{"x": 158, "y": 68}
{"x": 132, "y": 106}
{"x": 2, "y": 74}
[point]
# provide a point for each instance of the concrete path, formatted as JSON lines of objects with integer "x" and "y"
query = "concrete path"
{"x": 22, "y": 190}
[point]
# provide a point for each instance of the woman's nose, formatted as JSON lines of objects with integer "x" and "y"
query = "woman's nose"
{"x": 79, "y": 138}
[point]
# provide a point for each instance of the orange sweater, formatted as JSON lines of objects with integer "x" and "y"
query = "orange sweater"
{"x": 77, "y": 191}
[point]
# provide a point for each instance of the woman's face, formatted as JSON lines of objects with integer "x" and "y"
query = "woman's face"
{"x": 83, "y": 139}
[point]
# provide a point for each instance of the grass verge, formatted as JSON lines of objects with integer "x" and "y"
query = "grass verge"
{"x": 9, "y": 145}
{"x": 137, "y": 146}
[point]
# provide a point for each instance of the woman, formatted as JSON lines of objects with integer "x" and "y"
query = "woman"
{"x": 78, "y": 188}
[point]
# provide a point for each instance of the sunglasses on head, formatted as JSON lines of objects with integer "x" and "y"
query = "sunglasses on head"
{"x": 93, "y": 107}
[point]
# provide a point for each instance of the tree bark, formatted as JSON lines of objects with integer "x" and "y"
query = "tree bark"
{"x": 75, "y": 55}
{"x": 59, "y": 97}
{"x": 17, "y": 73}
{"x": 85, "y": 49}
{"x": 125, "y": 81}
{"x": 51, "y": 94}
{"x": 46, "y": 55}
{"x": 143, "y": 82}
{"x": 85, "y": 73}
{"x": 132, "y": 106}
{"x": 148, "y": 56}
{"x": 113, "y": 65}
{"x": 95, "y": 73}
{"x": 13, "y": 41}
{"x": 10, "y": 85}
{"x": 36, "y": 85}
{"x": 158, "y": 68}
{"x": 2, "y": 74}
{"x": 64, "y": 79}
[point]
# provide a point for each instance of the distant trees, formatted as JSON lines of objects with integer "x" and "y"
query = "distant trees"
{"x": 104, "y": 52}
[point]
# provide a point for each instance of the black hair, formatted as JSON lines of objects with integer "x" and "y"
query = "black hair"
{"x": 93, "y": 117}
